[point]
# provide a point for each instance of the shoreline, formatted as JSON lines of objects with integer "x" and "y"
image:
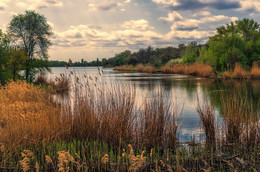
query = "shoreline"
{"x": 237, "y": 74}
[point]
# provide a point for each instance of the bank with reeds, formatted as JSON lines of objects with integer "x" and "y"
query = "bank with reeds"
{"x": 103, "y": 131}
{"x": 196, "y": 69}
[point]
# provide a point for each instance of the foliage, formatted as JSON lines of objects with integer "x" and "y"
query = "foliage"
{"x": 32, "y": 31}
{"x": 235, "y": 42}
{"x": 191, "y": 53}
{"x": 156, "y": 57}
{"x": 17, "y": 59}
{"x": 4, "y": 44}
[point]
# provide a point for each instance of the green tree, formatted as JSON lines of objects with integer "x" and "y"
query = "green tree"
{"x": 4, "y": 46}
{"x": 248, "y": 28}
{"x": 235, "y": 42}
{"x": 191, "y": 53}
{"x": 32, "y": 31}
{"x": 16, "y": 60}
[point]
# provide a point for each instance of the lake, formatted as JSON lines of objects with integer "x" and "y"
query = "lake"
{"x": 185, "y": 91}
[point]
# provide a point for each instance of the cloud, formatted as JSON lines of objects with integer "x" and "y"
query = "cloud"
{"x": 36, "y": 4}
{"x": 2, "y": 6}
{"x": 179, "y": 5}
{"x": 168, "y": 2}
{"x": 173, "y": 16}
{"x": 187, "y": 24}
{"x": 192, "y": 24}
{"x": 201, "y": 14}
{"x": 106, "y": 6}
{"x": 133, "y": 34}
{"x": 137, "y": 25}
{"x": 218, "y": 18}
{"x": 127, "y": 1}
{"x": 250, "y": 5}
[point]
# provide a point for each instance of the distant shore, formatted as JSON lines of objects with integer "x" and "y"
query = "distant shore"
{"x": 195, "y": 69}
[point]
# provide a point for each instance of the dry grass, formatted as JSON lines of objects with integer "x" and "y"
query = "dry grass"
{"x": 227, "y": 74}
{"x": 61, "y": 84}
{"x": 42, "y": 80}
{"x": 166, "y": 69}
{"x": 239, "y": 72}
{"x": 240, "y": 119}
{"x": 255, "y": 71}
{"x": 197, "y": 69}
{"x": 138, "y": 68}
{"x": 147, "y": 68}
{"x": 207, "y": 118}
{"x": 28, "y": 115}
{"x": 158, "y": 124}
{"x": 124, "y": 68}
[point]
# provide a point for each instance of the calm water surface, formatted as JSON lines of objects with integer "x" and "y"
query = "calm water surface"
{"x": 183, "y": 90}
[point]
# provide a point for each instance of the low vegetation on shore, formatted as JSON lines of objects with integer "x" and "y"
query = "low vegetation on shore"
{"x": 197, "y": 69}
{"x": 104, "y": 131}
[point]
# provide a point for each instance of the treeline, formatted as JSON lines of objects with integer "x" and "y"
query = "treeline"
{"x": 236, "y": 42}
{"x": 156, "y": 57}
{"x": 82, "y": 63}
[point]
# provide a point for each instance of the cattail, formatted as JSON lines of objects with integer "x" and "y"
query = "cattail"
{"x": 123, "y": 154}
{"x": 70, "y": 62}
{"x": 105, "y": 159}
{"x": 48, "y": 159}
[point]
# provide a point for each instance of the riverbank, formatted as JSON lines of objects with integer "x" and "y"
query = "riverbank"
{"x": 38, "y": 133}
{"x": 196, "y": 69}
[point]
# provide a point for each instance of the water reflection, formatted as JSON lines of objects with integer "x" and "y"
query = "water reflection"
{"x": 183, "y": 90}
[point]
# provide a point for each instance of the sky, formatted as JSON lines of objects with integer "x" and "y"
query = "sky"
{"x": 92, "y": 29}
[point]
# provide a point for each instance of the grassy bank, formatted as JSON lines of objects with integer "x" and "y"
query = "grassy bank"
{"x": 137, "y": 68}
{"x": 36, "y": 132}
{"x": 197, "y": 69}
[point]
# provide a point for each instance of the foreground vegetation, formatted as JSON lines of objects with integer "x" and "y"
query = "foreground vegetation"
{"x": 39, "y": 132}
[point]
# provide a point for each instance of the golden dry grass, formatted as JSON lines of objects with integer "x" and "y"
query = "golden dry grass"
{"x": 147, "y": 68}
{"x": 239, "y": 72}
{"x": 139, "y": 68}
{"x": 255, "y": 71}
{"x": 240, "y": 120}
{"x": 207, "y": 118}
{"x": 197, "y": 69}
{"x": 28, "y": 115}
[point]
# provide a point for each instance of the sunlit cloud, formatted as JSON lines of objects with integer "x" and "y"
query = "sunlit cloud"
{"x": 173, "y": 16}
{"x": 36, "y": 4}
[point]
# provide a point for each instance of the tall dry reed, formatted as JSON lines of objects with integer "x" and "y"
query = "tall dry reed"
{"x": 29, "y": 115}
{"x": 207, "y": 118}
{"x": 239, "y": 72}
{"x": 240, "y": 119}
{"x": 197, "y": 69}
{"x": 255, "y": 71}
{"x": 158, "y": 123}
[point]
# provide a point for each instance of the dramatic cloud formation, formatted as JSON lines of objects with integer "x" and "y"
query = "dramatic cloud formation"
{"x": 36, "y": 4}
{"x": 96, "y": 28}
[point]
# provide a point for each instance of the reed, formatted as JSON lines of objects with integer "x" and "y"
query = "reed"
{"x": 255, "y": 71}
{"x": 29, "y": 115}
{"x": 92, "y": 131}
{"x": 207, "y": 118}
{"x": 196, "y": 69}
{"x": 147, "y": 68}
{"x": 158, "y": 124}
{"x": 239, "y": 72}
